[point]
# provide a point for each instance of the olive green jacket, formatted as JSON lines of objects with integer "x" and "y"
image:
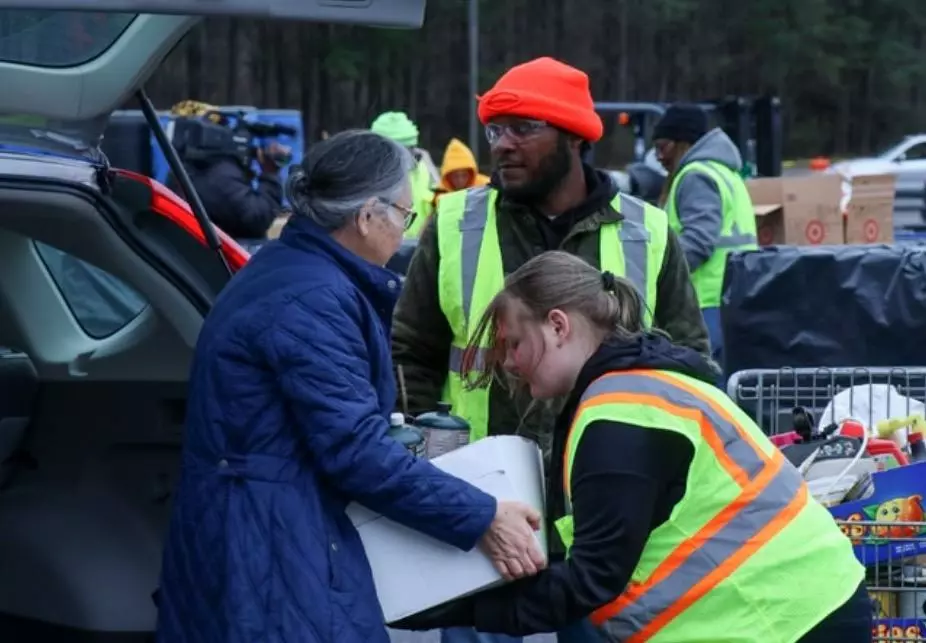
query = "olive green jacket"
{"x": 421, "y": 335}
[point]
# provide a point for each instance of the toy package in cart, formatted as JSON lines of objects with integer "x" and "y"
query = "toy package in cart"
{"x": 857, "y": 437}
{"x": 888, "y": 524}
{"x": 856, "y": 434}
{"x": 909, "y": 630}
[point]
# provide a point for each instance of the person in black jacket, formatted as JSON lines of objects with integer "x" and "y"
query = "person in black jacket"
{"x": 233, "y": 203}
{"x": 650, "y": 477}
{"x": 224, "y": 181}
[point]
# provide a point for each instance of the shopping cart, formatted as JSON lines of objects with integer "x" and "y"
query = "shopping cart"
{"x": 896, "y": 581}
{"x": 770, "y": 395}
{"x": 895, "y": 574}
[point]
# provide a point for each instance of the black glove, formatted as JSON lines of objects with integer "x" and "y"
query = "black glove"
{"x": 458, "y": 613}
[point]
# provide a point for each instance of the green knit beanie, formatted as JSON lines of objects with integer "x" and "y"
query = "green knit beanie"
{"x": 397, "y": 126}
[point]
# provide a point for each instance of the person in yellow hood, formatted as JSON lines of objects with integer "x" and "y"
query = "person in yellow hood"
{"x": 400, "y": 128}
{"x": 459, "y": 170}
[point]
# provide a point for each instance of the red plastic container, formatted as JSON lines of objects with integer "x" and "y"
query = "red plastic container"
{"x": 917, "y": 447}
{"x": 876, "y": 446}
{"x": 781, "y": 440}
{"x": 851, "y": 429}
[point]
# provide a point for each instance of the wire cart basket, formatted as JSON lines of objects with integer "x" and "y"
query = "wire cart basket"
{"x": 770, "y": 395}
{"x": 896, "y": 579}
{"x": 893, "y": 552}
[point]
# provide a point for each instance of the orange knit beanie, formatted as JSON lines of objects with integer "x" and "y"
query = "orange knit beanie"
{"x": 547, "y": 90}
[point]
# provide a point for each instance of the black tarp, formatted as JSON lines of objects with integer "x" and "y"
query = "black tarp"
{"x": 805, "y": 306}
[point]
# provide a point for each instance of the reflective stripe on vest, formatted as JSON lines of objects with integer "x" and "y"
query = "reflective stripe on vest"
{"x": 636, "y": 265}
{"x": 737, "y": 230}
{"x": 739, "y": 519}
{"x": 635, "y": 259}
{"x": 471, "y": 273}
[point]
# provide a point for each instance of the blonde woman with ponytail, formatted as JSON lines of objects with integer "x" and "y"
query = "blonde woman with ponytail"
{"x": 682, "y": 522}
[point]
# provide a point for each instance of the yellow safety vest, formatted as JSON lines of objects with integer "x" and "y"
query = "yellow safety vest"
{"x": 471, "y": 273}
{"x": 747, "y": 555}
{"x": 737, "y": 230}
{"x": 422, "y": 200}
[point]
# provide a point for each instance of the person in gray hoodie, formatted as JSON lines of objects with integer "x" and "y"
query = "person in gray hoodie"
{"x": 707, "y": 203}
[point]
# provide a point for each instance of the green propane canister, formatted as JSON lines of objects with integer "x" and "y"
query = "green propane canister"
{"x": 442, "y": 431}
{"x": 408, "y": 436}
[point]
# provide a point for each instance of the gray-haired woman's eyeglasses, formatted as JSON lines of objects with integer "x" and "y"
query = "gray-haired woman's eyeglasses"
{"x": 407, "y": 213}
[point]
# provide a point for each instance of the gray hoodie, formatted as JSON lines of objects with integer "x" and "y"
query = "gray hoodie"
{"x": 697, "y": 197}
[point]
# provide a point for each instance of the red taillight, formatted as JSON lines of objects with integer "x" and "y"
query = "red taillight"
{"x": 168, "y": 204}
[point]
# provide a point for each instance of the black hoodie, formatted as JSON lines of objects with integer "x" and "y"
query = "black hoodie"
{"x": 626, "y": 480}
{"x": 554, "y": 230}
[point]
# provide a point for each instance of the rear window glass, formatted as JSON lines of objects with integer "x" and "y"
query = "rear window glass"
{"x": 101, "y": 303}
{"x": 58, "y": 38}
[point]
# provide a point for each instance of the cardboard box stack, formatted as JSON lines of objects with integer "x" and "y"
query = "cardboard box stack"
{"x": 869, "y": 211}
{"x": 823, "y": 209}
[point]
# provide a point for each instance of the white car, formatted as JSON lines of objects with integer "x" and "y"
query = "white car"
{"x": 906, "y": 160}
{"x": 91, "y": 414}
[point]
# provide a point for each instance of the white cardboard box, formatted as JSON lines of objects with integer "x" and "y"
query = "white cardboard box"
{"x": 414, "y": 572}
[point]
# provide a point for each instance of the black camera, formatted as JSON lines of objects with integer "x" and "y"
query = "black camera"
{"x": 217, "y": 134}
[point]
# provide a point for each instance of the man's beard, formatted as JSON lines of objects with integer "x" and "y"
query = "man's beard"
{"x": 550, "y": 174}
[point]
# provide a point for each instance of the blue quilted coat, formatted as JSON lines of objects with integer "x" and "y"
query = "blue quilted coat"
{"x": 290, "y": 392}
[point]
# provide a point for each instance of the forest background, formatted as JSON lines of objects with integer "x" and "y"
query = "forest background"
{"x": 851, "y": 74}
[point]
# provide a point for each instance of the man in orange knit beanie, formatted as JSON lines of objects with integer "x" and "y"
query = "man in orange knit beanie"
{"x": 537, "y": 118}
{"x": 543, "y": 94}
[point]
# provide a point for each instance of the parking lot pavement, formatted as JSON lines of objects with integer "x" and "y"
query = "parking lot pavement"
{"x": 434, "y": 637}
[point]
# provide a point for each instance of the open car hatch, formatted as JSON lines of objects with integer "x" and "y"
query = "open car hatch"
{"x": 66, "y": 65}
{"x": 84, "y": 62}
{"x": 381, "y": 13}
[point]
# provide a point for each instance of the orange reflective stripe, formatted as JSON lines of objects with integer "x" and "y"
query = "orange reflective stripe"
{"x": 771, "y": 495}
{"x": 725, "y": 568}
{"x": 674, "y": 380}
{"x": 741, "y": 456}
{"x": 691, "y": 545}
{"x": 708, "y": 431}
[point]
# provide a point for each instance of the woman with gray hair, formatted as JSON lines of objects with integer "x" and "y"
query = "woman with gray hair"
{"x": 290, "y": 394}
